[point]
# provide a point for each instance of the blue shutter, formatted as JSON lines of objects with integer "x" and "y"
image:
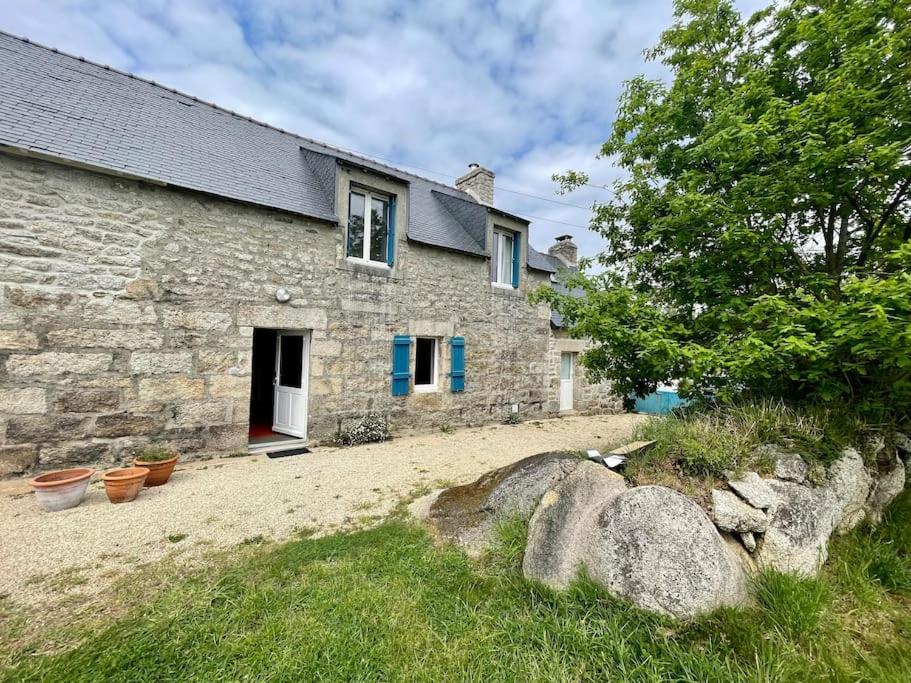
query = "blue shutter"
{"x": 516, "y": 252}
{"x": 390, "y": 234}
{"x": 457, "y": 372}
{"x": 401, "y": 350}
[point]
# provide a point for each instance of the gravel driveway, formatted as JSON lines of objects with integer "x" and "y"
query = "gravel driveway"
{"x": 219, "y": 503}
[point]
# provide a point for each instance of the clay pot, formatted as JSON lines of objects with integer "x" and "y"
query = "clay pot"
{"x": 61, "y": 489}
{"x": 159, "y": 471}
{"x": 123, "y": 485}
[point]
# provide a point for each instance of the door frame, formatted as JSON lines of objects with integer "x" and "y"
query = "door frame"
{"x": 303, "y": 390}
{"x": 571, "y": 380}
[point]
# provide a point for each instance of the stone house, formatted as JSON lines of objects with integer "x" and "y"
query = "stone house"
{"x": 172, "y": 272}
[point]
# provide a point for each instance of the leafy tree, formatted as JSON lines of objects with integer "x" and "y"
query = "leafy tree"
{"x": 759, "y": 240}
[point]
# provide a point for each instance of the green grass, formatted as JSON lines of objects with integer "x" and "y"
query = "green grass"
{"x": 386, "y": 604}
{"x": 704, "y": 443}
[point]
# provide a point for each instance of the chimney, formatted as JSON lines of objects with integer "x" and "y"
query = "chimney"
{"x": 566, "y": 251}
{"x": 478, "y": 182}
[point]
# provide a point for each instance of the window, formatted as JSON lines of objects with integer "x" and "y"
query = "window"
{"x": 425, "y": 364}
{"x": 368, "y": 225}
{"x": 501, "y": 258}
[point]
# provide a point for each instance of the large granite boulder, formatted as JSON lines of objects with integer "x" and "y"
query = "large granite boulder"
{"x": 798, "y": 535}
{"x": 467, "y": 515}
{"x": 885, "y": 489}
{"x": 850, "y": 485}
{"x": 657, "y": 548}
{"x": 560, "y": 533}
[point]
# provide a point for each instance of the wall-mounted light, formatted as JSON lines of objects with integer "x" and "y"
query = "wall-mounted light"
{"x": 282, "y": 295}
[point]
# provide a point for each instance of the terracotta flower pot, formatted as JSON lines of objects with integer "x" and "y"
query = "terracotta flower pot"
{"x": 61, "y": 489}
{"x": 159, "y": 471}
{"x": 123, "y": 485}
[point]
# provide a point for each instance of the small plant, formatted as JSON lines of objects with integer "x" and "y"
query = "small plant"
{"x": 156, "y": 454}
{"x": 447, "y": 428}
{"x": 371, "y": 428}
{"x": 259, "y": 539}
{"x": 176, "y": 538}
{"x": 512, "y": 419}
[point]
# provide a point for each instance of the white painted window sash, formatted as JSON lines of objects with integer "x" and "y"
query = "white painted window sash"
{"x": 368, "y": 222}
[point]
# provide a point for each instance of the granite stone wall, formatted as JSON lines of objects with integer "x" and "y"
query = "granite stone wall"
{"x": 127, "y": 313}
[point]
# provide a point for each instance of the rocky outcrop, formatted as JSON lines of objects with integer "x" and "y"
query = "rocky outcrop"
{"x": 655, "y": 546}
{"x": 850, "y": 484}
{"x": 888, "y": 485}
{"x": 467, "y": 514}
{"x": 754, "y": 490}
{"x": 798, "y": 536}
{"x": 658, "y": 548}
{"x": 732, "y": 514}
{"x": 790, "y": 467}
{"x": 561, "y": 531}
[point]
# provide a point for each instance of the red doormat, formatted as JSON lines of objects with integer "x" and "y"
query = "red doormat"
{"x": 262, "y": 430}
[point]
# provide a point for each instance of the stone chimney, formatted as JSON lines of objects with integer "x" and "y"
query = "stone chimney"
{"x": 566, "y": 251}
{"x": 478, "y": 182}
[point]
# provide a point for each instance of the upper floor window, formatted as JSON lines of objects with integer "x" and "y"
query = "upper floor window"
{"x": 502, "y": 257}
{"x": 368, "y": 226}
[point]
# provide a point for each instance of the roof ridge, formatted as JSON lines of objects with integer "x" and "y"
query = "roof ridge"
{"x": 225, "y": 110}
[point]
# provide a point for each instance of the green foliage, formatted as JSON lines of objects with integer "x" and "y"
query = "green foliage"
{"x": 156, "y": 454}
{"x": 793, "y": 605}
{"x": 704, "y": 442}
{"x": 759, "y": 240}
{"x": 507, "y": 546}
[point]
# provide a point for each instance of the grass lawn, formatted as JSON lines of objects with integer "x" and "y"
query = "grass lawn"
{"x": 385, "y": 604}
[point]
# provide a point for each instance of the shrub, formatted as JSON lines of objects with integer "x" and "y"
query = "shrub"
{"x": 707, "y": 441}
{"x": 369, "y": 429}
{"x": 156, "y": 454}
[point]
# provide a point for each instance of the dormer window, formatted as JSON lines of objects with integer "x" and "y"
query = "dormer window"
{"x": 504, "y": 258}
{"x": 368, "y": 226}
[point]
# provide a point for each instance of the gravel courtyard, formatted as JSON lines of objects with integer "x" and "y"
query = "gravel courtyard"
{"x": 220, "y": 503}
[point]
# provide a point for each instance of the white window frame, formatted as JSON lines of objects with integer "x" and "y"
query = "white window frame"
{"x": 368, "y": 195}
{"x": 500, "y": 237}
{"x": 435, "y": 372}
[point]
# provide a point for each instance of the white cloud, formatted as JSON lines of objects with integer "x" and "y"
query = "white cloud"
{"x": 525, "y": 87}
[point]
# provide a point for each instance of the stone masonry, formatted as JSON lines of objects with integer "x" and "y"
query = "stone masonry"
{"x": 127, "y": 313}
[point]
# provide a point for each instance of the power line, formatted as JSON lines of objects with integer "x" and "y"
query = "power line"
{"x": 500, "y": 189}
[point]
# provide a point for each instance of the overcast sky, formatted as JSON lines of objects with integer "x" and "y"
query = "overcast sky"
{"x": 526, "y": 88}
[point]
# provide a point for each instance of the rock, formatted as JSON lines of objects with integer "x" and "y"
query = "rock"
{"x": 657, "y": 548}
{"x": 468, "y": 514}
{"x": 732, "y": 514}
{"x": 903, "y": 441}
{"x": 754, "y": 490}
{"x": 560, "y": 531}
{"x": 17, "y": 459}
{"x": 850, "y": 483}
{"x": 790, "y": 467}
{"x": 420, "y": 507}
{"x": 885, "y": 489}
{"x": 798, "y": 535}
{"x": 749, "y": 541}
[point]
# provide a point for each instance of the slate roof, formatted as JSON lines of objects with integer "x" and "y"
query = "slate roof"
{"x": 556, "y": 319}
{"x": 65, "y": 107}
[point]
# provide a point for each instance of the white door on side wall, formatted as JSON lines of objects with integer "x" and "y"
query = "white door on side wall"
{"x": 292, "y": 358}
{"x": 566, "y": 381}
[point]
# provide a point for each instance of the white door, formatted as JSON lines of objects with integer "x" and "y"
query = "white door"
{"x": 292, "y": 356}
{"x": 566, "y": 381}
